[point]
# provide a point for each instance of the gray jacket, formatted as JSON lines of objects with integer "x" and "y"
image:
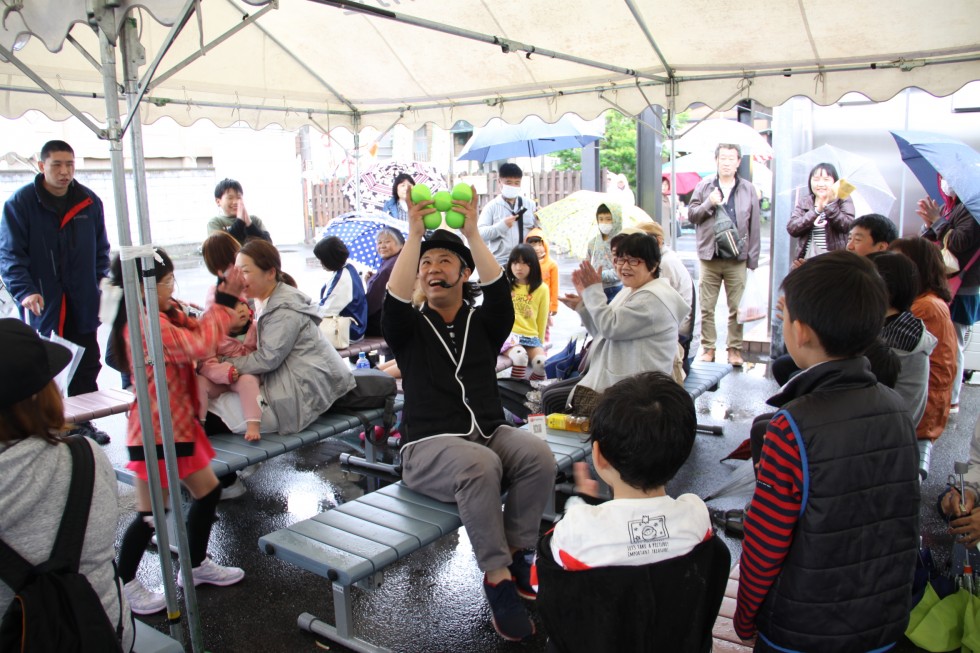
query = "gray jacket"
{"x": 302, "y": 375}
{"x": 635, "y": 332}
{"x": 913, "y": 379}
{"x": 701, "y": 212}
{"x": 34, "y": 478}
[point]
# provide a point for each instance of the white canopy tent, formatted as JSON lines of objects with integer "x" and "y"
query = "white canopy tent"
{"x": 368, "y": 64}
{"x": 345, "y": 64}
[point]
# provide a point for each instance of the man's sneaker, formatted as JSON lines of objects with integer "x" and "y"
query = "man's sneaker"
{"x": 142, "y": 600}
{"x": 520, "y": 569}
{"x": 510, "y": 619}
{"x": 954, "y": 409}
{"x": 212, "y": 573}
{"x": 234, "y": 490}
{"x": 88, "y": 430}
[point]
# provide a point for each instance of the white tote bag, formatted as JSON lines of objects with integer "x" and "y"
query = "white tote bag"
{"x": 336, "y": 329}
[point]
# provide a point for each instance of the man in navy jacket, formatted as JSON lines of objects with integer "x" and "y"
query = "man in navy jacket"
{"x": 53, "y": 253}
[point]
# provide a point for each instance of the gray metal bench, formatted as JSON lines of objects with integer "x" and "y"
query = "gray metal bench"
{"x": 353, "y": 543}
{"x": 150, "y": 640}
{"x": 233, "y": 453}
{"x": 704, "y": 377}
{"x": 92, "y": 405}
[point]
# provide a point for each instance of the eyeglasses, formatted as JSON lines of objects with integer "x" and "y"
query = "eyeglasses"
{"x": 631, "y": 261}
{"x": 169, "y": 282}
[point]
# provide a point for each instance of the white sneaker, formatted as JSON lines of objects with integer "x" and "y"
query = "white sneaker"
{"x": 954, "y": 409}
{"x": 234, "y": 490}
{"x": 214, "y": 574}
{"x": 142, "y": 600}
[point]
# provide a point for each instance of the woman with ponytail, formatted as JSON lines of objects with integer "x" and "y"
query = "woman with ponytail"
{"x": 185, "y": 341}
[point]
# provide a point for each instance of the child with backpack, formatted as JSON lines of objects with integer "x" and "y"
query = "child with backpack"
{"x": 39, "y": 499}
{"x": 185, "y": 341}
{"x": 531, "y": 302}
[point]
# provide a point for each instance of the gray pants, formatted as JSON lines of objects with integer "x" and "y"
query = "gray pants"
{"x": 472, "y": 472}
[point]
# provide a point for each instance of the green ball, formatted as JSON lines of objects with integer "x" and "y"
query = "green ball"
{"x": 443, "y": 200}
{"x": 455, "y": 219}
{"x": 420, "y": 193}
{"x": 432, "y": 221}
{"x": 462, "y": 193}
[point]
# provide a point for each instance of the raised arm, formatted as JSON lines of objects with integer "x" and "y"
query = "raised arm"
{"x": 406, "y": 269}
{"x": 486, "y": 265}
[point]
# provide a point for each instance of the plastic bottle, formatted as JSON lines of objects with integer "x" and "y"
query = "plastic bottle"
{"x": 362, "y": 362}
{"x": 968, "y": 578}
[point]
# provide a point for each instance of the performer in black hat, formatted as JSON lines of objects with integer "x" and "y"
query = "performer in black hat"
{"x": 457, "y": 445}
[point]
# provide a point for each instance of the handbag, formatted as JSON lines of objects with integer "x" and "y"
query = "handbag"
{"x": 728, "y": 243}
{"x": 950, "y": 262}
{"x": 336, "y": 329}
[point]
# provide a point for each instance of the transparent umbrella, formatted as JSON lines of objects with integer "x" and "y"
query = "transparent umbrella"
{"x": 570, "y": 222}
{"x": 871, "y": 194}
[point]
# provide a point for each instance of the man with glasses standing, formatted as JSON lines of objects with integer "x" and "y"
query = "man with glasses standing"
{"x": 728, "y": 193}
{"x": 53, "y": 254}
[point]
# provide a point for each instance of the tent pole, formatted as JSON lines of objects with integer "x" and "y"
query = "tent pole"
{"x": 132, "y": 53}
{"x": 133, "y": 313}
{"x": 155, "y": 349}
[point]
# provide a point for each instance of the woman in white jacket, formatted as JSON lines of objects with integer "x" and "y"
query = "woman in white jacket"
{"x": 637, "y": 331}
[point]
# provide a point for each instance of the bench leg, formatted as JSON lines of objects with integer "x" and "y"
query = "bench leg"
{"x": 343, "y": 633}
{"x": 709, "y": 430}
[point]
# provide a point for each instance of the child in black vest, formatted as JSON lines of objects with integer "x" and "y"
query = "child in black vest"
{"x": 831, "y": 539}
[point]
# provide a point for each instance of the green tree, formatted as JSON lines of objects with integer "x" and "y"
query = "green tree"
{"x": 617, "y": 149}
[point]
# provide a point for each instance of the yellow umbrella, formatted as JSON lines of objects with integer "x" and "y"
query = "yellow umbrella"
{"x": 570, "y": 223}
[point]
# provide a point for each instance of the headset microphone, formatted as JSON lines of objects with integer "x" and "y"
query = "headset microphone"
{"x": 444, "y": 284}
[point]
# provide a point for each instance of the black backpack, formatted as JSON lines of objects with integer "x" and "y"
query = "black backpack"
{"x": 55, "y": 607}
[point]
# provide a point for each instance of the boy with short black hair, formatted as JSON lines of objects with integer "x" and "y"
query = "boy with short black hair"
{"x": 509, "y": 217}
{"x": 832, "y": 536}
{"x": 233, "y": 218}
{"x": 871, "y": 233}
{"x": 642, "y": 432}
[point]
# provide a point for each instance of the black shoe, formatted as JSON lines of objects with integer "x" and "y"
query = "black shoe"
{"x": 520, "y": 569}
{"x": 86, "y": 429}
{"x": 510, "y": 619}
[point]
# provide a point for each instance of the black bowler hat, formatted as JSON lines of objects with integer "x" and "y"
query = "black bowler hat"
{"x": 28, "y": 361}
{"x": 445, "y": 239}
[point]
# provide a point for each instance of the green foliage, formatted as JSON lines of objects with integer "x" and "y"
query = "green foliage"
{"x": 617, "y": 150}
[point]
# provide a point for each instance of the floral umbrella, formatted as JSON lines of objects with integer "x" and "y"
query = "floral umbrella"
{"x": 374, "y": 184}
{"x": 570, "y": 223}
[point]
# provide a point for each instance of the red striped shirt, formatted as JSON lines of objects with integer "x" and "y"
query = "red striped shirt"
{"x": 770, "y": 522}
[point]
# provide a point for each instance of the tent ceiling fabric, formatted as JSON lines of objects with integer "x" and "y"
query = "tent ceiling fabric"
{"x": 303, "y": 56}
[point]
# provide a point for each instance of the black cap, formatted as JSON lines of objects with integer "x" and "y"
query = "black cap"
{"x": 28, "y": 361}
{"x": 445, "y": 239}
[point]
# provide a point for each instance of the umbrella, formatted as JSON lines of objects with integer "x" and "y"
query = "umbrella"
{"x": 570, "y": 222}
{"x": 706, "y": 135}
{"x": 871, "y": 195}
{"x": 359, "y": 232}
{"x": 930, "y": 154}
{"x": 686, "y": 181}
{"x": 374, "y": 184}
{"x": 531, "y": 137}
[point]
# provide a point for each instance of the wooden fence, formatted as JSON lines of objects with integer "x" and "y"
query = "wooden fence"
{"x": 328, "y": 201}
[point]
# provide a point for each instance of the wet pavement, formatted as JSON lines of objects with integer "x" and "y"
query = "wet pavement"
{"x": 432, "y": 600}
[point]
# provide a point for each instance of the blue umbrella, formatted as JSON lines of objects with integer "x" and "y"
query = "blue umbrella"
{"x": 928, "y": 154}
{"x": 359, "y": 232}
{"x": 531, "y": 137}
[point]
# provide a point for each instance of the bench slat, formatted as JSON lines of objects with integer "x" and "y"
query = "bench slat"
{"x": 379, "y": 555}
{"x": 445, "y": 522}
{"x": 425, "y": 532}
{"x": 297, "y": 549}
{"x": 236, "y": 444}
{"x": 401, "y": 492}
{"x": 403, "y": 543}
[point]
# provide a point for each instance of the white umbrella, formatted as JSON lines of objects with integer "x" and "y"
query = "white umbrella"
{"x": 706, "y": 135}
{"x": 871, "y": 195}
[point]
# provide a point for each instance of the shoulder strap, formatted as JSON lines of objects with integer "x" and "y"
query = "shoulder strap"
{"x": 957, "y": 281}
{"x": 71, "y": 533}
{"x": 14, "y": 569}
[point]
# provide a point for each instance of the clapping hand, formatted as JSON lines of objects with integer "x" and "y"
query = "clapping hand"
{"x": 585, "y": 276}
{"x": 928, "y": 210}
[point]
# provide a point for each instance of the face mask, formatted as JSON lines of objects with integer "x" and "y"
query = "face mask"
{"x": 510, "y": 192}
{"x": 946, "y": 188}
{"x": 605, "y": 229}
